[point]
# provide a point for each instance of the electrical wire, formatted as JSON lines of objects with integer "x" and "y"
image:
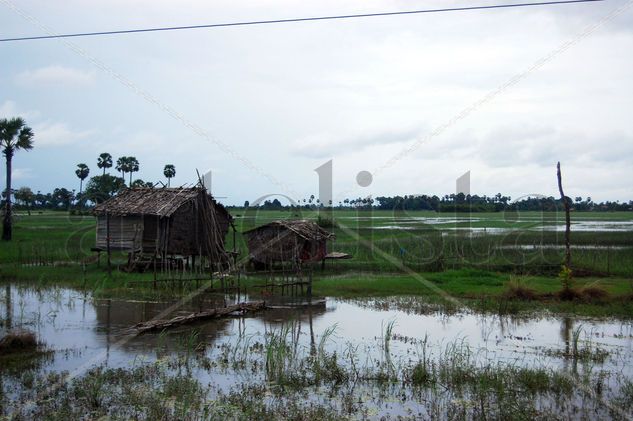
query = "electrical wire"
{"x": 294, "y": 20}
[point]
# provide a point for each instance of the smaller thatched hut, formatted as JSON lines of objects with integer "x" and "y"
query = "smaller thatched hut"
{"x": 287, "y": 241}
{"x": 185, "y": 222}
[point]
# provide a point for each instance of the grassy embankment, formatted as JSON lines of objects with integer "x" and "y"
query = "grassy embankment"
{"x": 407, "y": 258}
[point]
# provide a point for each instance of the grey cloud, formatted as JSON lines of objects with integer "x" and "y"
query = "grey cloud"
{"x": 544, "y": 146}
{"x": 328, "y": 145}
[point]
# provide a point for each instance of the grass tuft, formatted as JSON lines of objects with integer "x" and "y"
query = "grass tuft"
{"x": 516, "y": 290}
{"x": 594, "y": 293}
{"x": 18, "y": 341}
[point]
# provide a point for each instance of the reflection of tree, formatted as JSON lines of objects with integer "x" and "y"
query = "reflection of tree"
{"x": 567, "y": 335}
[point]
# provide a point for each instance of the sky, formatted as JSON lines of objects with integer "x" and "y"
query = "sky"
{"x": 416, "y": 100}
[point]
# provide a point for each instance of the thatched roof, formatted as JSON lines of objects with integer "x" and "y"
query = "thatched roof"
{"x": 307, "y": 230}
{"x": 161, "y": 202}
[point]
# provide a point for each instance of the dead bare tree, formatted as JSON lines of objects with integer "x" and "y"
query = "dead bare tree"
{"x": 566, "y": 203}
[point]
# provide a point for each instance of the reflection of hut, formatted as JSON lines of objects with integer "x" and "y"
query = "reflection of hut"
{"x": 164, "y": 222}
{"x": 287, "y": 241}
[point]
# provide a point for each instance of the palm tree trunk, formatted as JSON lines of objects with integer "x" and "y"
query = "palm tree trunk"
{"x": 6, "y": 224}
{"x": 81, "y": 182}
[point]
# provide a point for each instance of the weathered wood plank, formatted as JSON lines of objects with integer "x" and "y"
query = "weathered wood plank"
{"x": 154, "y": 325}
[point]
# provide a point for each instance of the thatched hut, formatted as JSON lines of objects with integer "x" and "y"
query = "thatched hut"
{"x": 164, "y": 222}
{"x": 287, "y": 241}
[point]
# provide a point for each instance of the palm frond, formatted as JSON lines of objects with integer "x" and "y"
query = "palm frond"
{"x": 25, "y": 138}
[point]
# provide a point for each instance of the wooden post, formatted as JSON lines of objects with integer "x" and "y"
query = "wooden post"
{"x": 309, "y": 290}
{"x": 567, "y": 218}
{"x": 108, "y": 244}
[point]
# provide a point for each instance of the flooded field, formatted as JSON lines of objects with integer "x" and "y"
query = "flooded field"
{"x": 359, "y": 358}
{"x": 497, "y": 225}
{"x": 382, "y": 343}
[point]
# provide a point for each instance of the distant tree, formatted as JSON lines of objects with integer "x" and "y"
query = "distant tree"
{"x": 142, "y": 184}
{"x": 40, "y": 199}
{"x": 62, "y": 198}
{"x": 122, "y": 165}
{"x": 169, "y": 171}
{"x": 14, "y": 135}
{"x": 26, "y": 197}
{"x": 82, "y": 172}
{"x": 103, "y": 187}
{"x": 104, "y": 161}
{"x": 132, "y": 166}
{"x": 246, "y": 204}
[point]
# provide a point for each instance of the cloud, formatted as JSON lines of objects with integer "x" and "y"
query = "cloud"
{"x": 543, "y": 146}
{"x": 56, "y": 75}
{"x": 22, "y": 174}
{"x": 324, "y": 145}
{"x": 8, "y": 109}
{"x": 56, "y": 134}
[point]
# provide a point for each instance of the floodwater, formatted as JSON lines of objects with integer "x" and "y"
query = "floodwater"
{"x": 83, "y": 330}
{"x": 463, "y": 224}
{"x": 86, "y": 332}
{"x": 561, "y": 247}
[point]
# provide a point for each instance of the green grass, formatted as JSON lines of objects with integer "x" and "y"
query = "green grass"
{"x": 54, "y": 248}
{"x": 54, "y": 237}
{"x": 466, "y": 283}
{"x": 49, "y": 237}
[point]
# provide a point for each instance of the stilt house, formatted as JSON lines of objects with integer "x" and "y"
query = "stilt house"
{"x": 287, "y": 241}
{"x": 164, "y": 222}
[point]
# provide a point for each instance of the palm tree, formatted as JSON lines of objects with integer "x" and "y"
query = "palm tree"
{"x": 14, "y": 135}
{"x": 121, "y": 166}
{"x": 82, "y": 172}
{"x": 104, "y": 161}
{"x": 169, "y": 171}
{"x": 132, "y": 166}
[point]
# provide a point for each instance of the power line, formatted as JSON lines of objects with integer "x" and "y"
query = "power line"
{"x": 307, "y": 19}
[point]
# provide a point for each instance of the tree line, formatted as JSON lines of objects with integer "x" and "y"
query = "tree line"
{"x": 105, "y": 185}
{"x": 451, "y": 203}
{"x": 98, "y": 188}
{"x": 15, "y": 135}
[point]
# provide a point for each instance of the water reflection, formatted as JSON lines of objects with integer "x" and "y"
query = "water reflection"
{"x": 81, "y": 329}
{"x": 9, "y": 311}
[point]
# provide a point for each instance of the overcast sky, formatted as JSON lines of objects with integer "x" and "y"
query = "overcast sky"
{"x": 263, "y": 106}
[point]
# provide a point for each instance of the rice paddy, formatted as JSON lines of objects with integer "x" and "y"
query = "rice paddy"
{"x": 433, "y": 318}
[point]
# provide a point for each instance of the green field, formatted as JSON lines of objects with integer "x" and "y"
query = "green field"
{"x": 417, "y": 253}
{"x": 490, "y": 269}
